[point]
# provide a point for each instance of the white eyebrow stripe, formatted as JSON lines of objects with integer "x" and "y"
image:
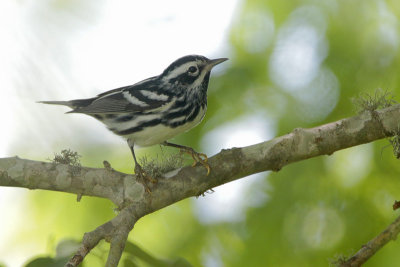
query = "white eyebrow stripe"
{"x": 153, "y": 95}
{"x": 180, "y": 70}
{"x": 133, "y": 99}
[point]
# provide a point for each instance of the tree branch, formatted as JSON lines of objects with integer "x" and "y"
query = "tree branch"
{"x": 368, "y": 250}
{"x": 228, "y": 165}
{"x": 114, "y": 231}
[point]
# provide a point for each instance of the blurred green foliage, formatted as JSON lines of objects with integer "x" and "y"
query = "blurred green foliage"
{"x": 47, "y": 261}
{"x": 317, "y": 210}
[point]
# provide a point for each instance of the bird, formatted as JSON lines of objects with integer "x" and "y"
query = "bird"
{"x": 156, "y": 109}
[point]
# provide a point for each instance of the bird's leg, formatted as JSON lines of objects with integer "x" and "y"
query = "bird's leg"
{"x": 197, "y": 157}
{"x": 142, "y": 175}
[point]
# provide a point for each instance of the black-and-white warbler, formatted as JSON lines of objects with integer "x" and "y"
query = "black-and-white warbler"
{"x": 156, "y": 109}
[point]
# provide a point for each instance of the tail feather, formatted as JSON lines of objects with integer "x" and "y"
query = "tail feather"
{"x": 62, "y": 103}
{"x": 74, "y": 104}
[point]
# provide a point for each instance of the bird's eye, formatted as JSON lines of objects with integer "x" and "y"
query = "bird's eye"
{"x": 192, "y": 69}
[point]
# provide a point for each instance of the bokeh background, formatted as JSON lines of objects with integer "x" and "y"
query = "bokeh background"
{"x": 292, "y": 64}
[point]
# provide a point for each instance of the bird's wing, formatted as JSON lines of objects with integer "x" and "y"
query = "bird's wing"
{"x": 140, "y": 97}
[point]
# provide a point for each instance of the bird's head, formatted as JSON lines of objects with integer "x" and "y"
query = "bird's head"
{"x": 190, "y": 71}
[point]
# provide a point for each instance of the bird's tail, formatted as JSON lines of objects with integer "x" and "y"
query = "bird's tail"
{"x": 62, "y": 103}
{"x": 74, "y": 104}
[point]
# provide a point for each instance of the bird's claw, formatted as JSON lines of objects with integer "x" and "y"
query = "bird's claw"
{"x": 198, "y": 158}
{"x": 144, "y": 178}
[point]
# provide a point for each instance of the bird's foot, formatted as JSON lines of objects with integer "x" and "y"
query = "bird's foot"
{"x": 197, "y": 158}
{"x": 144, "y": 178}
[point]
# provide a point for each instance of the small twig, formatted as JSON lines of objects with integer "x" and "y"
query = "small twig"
{"x": 368, "y": 250}
{"x": 117, "y": 246}
{"x": 107, "y": 166}
{"x": 114, "y": 231}
{"x": 90, "y": 240}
